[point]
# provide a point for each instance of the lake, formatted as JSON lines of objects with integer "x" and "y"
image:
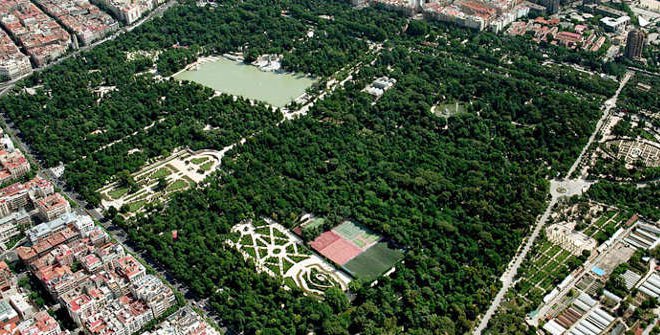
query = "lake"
{"x": 235, "y": 78}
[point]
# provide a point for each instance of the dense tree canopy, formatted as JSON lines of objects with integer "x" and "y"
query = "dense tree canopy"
{"x": 457, "y": 192}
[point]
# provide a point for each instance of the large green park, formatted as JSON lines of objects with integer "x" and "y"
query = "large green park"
{"x": 457, "y": 192}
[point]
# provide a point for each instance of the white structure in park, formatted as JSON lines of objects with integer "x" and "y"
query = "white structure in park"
{"x": 565, "y": 235}
{"x": 379, "y": 86}
{"x": 278, "y": 252}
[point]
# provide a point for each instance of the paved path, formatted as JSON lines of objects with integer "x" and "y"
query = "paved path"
{"x": 512, "y": 269}
{"x": 332, "y": 87}
{"x": 557, "y": 190}
{"x": 607, "y": 110}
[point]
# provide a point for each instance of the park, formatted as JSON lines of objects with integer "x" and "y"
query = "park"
{"x": 156, "y": 182}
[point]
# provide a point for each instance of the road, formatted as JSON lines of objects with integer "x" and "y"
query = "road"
{"x": 7, "y": 86}
{"x": 607, "y": 111}
{"x": 558, "y": 189}
{"x": 512, "y": 268}
{"x": 117, "y": 233}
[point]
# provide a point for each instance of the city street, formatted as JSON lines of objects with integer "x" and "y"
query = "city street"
{"x": 116, "y": 232}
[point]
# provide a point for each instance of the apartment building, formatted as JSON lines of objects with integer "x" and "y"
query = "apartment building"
{"x": 10, "y": 224}
{"x": 13, "y": 63}
{"x": 129, "y": 11}
{"x": 87, "y": 21}
{"x": 41, "y": 36}
{"x": 13, "y": 202}
{"x": 157, "y": 296}
{"x": 468, "y": 13}
{"x": 104, "y": 290}
{"x": 130, "y": 269}
{"x": 13, "y": 165}
{"x": 41, "y": 324}
{"x": 53, "y": 206}
{"x": 185, "y": 321}
{"x": 7, "y": 278}
{"x": 79, "y": 223}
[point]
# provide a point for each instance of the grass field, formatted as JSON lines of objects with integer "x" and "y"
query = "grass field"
{"x": 177, "y": 185}
{"x": 206, "y": 166}
{"x": 359, "y": 235}
{"x": 160, "y": 173}
{"x": 374, "y": 261}
{"x": 134, "y": 206}
{"x": 118, "y": 192}
{"x": 199, "y": 160}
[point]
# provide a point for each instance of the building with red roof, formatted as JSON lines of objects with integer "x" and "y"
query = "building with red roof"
{"x": 53, "y": 206}
{"x": 14, "y": 165}
{"x": 41, "y": 36}
{"x": 130, "y": 268}
{"x": 13, "y": 63}
{"x": 41, "y": 324}
{"x": 16, "y": 196}
{"x": 86, "y": 20}
{"x": 7, "y": 278}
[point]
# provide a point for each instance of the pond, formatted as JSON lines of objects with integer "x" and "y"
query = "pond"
{"x": 235, "y": 78}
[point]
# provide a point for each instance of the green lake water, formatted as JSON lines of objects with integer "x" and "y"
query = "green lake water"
{"x": 248, "y": 81}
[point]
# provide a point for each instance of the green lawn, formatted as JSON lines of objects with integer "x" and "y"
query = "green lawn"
{"x": 134, "y": 206}
{"x": 118, "y": 192}
{"x": 545, "y": 246}
{"x": 199, "y": 160}
{"x": 562, "y": 256}
{"x": 374, "y": 261}
{"x": 553, "y": 251}
{"x": 160, "y": 173}
{"x": 206, "y": 166}
{"x": 177, "y": 186}
{"x": 250, "y": 251}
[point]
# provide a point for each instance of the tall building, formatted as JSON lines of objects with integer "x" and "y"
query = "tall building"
{"x": 635, "y": 44}
{"x": 551, "y": 6}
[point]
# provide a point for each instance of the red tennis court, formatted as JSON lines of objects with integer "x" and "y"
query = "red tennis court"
{"x": 341, "y": 251}
{"x": 324, "y": 240}
{"x": 335, "y": 248}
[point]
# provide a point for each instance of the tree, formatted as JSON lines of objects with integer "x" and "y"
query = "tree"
{"x": 125, "y": 179}
{"x": 417, "y": 28}
{"x": 161, "y": 185}
{"x": 337, "y": 299}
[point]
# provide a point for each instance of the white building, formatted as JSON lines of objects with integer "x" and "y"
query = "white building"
{"x": 564, "y": 235}
{"x": 155, "y": 293}
{"x": 13, "y": 63}
{"x": 10, "y": 224}
{"x": 618, "y": 24}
